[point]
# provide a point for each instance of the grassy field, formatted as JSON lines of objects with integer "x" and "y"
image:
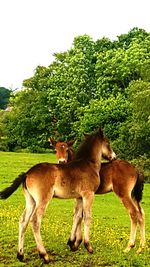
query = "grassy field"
{"x": 109, "y": 230}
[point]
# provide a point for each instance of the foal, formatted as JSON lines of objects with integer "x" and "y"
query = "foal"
{"x": 78, "y": 179}
{"x": 126, "y": 182}
{"x": 64, "y": 151}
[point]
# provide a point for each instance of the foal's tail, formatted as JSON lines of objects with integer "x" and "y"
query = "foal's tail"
{"x": 7, "y": 192}
{"x": 138, "y": 188}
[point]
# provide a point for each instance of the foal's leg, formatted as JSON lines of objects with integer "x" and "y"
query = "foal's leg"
{"x": 78, "y": 238}
{"x": 87, "y": 210}
{"x": 132, "y": 209}
{"x": 141, "y": 221}
{"x": 75, "y": 239}
{"x": 36, "y": 223}
{"x": 24, "y": 220}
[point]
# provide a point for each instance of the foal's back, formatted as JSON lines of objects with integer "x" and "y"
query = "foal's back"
{"x": 62, "y": 180}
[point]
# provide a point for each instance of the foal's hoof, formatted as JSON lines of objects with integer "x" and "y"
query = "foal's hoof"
{"x": 45, "y": 257}
{"x": 20, "y": 256}
{"x": 73, "y": 249}
{"x": 46, "y": 260}
{"x": 126, "y": 250}
{"x": 70, "y": 243}
{"x": 88, "y": 247}
{"x": 140, "y": 250}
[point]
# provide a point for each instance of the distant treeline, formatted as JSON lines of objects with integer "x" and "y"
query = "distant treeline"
{"x": 4, "y": 97}
{"x": 100, "y": 83}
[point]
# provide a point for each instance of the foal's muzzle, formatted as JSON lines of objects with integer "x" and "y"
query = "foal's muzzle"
{"x": 62, "y": 161}
{"x": 113, "y": 156}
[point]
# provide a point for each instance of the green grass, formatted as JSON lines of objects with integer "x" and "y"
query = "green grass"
{"x": 109, "y": 231}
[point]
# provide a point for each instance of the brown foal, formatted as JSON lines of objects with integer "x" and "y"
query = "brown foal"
{"x": 64, "y": 151}
{"x": 126, "y": 182}
{"x": 78, "y": 179}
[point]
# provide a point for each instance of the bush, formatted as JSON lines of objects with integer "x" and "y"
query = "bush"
{"x": 143, "y": 163}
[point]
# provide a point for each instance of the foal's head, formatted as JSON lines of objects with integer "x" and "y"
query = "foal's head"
{"x": 62, "y": 149}
{"x": 107, "y": 151}
{"x": 94, "y": 146}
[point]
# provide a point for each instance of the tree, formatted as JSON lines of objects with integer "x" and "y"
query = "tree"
{"x": 4, "y": 97}
{"x": 103, "y": 45}
{"x": 116, "y": 68}
{"x": 28, "y": 122}
{"x": 108, "y": 114}
{"x": 139, "y": 94}
{"x": 134, "y": 134}
{"x": 91, "y": 85}
{"x": 124, "y": 40}
{"x": 72, "y": 84}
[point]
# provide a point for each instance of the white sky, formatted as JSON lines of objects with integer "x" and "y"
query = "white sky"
{"x": 31, "y": 31}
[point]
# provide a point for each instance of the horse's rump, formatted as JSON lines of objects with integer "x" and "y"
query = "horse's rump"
{"x": 119, "y": 176}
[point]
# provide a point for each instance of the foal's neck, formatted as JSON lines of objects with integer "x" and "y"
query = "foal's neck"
{"x": 91, "y": 152}
{"x": 96, "y": 161}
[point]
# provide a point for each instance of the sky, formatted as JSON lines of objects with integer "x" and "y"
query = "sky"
{"x": 31, "y": 31}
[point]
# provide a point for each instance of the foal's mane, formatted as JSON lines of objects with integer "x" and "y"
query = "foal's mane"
{"x": 71, "y": 151}
{"x": 84, "y": 150}
{"x": 71, "y": 154}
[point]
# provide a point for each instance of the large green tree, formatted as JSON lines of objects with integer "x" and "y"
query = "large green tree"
{"x": 116, "y": 68}
{"x": 108, "y": 114}
{"x": 71, "y": 84}
{"x": 28, "y": 122}
{"x": 92, "y": 84}
{"x": 134, "y": 133}
{"x": 124, "y": 40}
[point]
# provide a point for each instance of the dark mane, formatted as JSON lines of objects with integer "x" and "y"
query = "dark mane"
{"x": 71, "y": 154}
{"x": 84, "y": 150}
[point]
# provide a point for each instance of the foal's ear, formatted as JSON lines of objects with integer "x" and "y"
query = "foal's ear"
{"x": 101, "y": 132}
{"x": 52, "y": 141}
{"x": 70, "y": 143}
{"x": 86, "y": 135}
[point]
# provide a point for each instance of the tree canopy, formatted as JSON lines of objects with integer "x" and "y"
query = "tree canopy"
{"x": 100, "y": 83}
